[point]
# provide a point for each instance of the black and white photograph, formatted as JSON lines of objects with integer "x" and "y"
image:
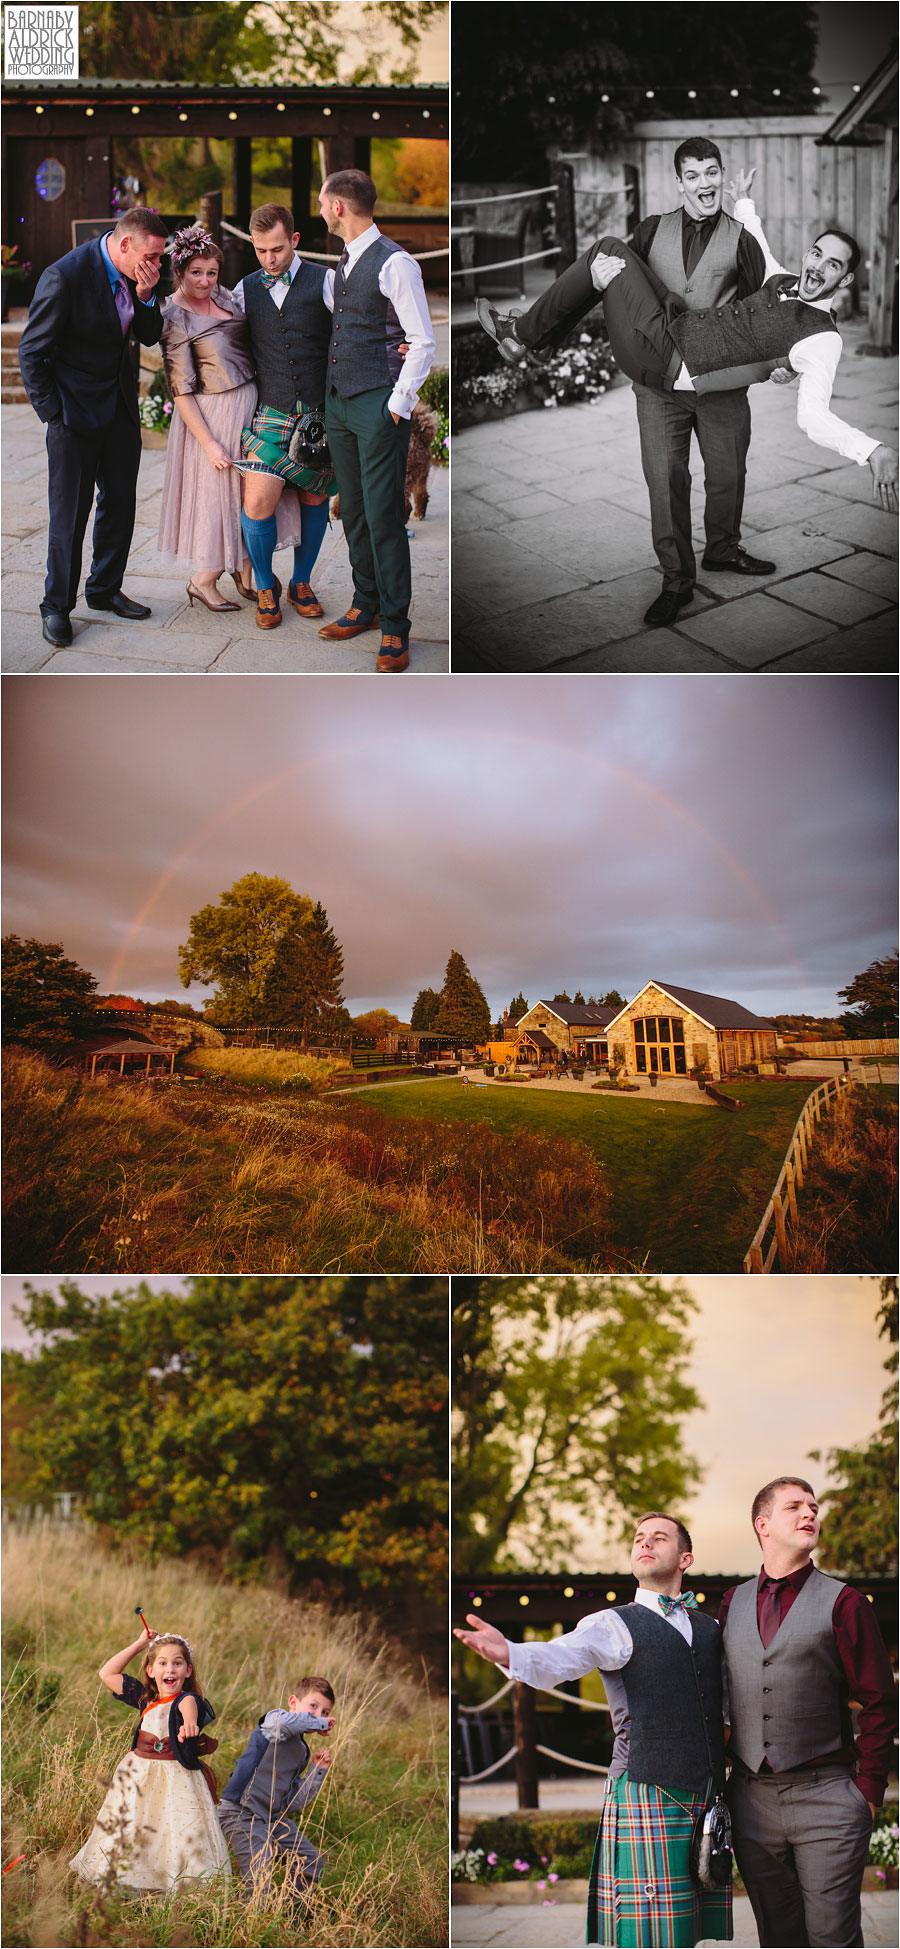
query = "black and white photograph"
{"x": 674, "y": 332}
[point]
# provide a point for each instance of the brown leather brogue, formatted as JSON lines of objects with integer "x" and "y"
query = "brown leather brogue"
{"x": 301, "y": 598}
{"x": 354, "y": 623}
{"x": 268, "y": 613}
{"x": 400, "y": 658}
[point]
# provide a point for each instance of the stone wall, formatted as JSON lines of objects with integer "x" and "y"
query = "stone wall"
{"x": 540, "y": 1017}
{"x": 653, "y": 1001}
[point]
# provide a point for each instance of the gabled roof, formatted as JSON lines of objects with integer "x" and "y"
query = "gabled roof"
{"x": 577, "y": 1015}
{"x": 540, "y": 1039}
{"x": 876, "y": 102}
{"x": 715, "y": 1010}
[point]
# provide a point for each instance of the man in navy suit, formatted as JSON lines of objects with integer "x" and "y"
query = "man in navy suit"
{"x": 76, "y": 364}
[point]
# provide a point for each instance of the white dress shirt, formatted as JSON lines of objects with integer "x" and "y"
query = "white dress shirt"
{"x": 277, "y": 292}
{"x": 600, "y": 1642}
{"x": 400, "y": 281}
{"x": 816, "y": 359}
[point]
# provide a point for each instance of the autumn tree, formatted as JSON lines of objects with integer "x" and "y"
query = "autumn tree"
{"x": 235, "y": 944}
{"x": 303, "y": 986}
{"x": 463, "y": 1015}
{"x": 236, "y": 40}
{"x": 377, "y": 1022}
{"x": 569, "y": 1397}
{"x": 871, "y": 999}
{"x": 46, "y": 997}
{"x": 236, "y": 1421}
{"x": 859, "y": 1535}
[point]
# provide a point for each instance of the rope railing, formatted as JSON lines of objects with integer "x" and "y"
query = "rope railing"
{"x": 477, "y": 270}
{"x": 782, "y": 1205}
{"x": 470, "y": 1778}
{"x": 580, "y": 1766}
{"x": 509, "y": 196}
{"x": 472, "y": 1710}
{"x": 328, "y": 256}
{"x": 549, "y": 1691}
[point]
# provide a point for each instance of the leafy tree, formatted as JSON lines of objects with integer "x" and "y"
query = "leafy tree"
{"x": 178, "y": 1008}
{"x": 578, "y": 998}
{"x": 550, "y": 68}
{"x": 236, "y": 1420}
{"x": 872, "y": 999}
{"x": 46, "y": 997}
{"x": 568, "y": 1396}
{"x": 612, "y": 1000}
{"x": 303, "y": 986}
{"x": 859, "y": 1537}
{"x": 463, "y": 1015}
{"x": 235, "y": 944}
{"x": 561, "y": 997}
{"x": 425, "y": 1008}
{"x": 518, "y": 1007}
{"x": 377, "y": 1022}
{"x": 190, "y": 42}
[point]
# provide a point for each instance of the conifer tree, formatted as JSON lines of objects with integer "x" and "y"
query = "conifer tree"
{"x": 463, "y": 1014}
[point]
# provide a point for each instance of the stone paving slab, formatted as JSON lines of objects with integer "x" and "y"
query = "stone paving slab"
{"x": 181, "y": 636}
{"x": 807, "y": 509}
{"x": 561, "y": 1925}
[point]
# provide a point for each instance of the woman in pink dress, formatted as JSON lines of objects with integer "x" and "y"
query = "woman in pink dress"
{"x": 206, "y": 353}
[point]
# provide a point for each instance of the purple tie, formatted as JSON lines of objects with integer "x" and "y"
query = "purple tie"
{"x": 124, "y": 306}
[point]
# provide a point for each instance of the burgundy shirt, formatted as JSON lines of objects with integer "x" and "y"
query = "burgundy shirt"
{"x": 867, "y": 1670}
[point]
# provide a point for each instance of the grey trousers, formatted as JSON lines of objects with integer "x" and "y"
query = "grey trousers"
{"x": 256, "y": 1844}
{"x": 801, "y": 1843}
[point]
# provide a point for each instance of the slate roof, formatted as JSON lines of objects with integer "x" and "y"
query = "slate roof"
{"x": 540, "y": 1039}
{"x": 579, "y": 1015}
{"x": 715, "y": 1009}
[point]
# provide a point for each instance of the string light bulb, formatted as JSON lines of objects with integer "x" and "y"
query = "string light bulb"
{"x": 524, "y": 1600}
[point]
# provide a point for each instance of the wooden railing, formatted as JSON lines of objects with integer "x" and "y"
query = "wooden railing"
{"x": 782, "y": 1206}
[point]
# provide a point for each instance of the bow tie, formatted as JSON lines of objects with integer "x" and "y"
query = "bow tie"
{"x": 687, "y": 1602}
{"x": 269, "y": 278}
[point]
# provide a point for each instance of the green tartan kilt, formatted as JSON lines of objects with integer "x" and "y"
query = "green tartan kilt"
{"x": 264, "y": 448}
{"x": 642, "y": 1895}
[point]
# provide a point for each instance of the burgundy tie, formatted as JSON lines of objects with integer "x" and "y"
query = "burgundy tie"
{"x": 770, "y": 1611}
{"x": 124, "y": 306}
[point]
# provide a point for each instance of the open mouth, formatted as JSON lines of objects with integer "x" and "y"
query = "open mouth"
{"x": 707, "y": 198}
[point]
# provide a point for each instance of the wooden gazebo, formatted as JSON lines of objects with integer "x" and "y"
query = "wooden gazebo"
{"x": 124, "y": 1055}
{"x": 59, "y": 144}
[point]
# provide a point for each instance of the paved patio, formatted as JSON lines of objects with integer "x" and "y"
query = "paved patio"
{"x": 178, "y": 637}
{"x": 554, "y": 566}
{"x": 561, "y": 1925}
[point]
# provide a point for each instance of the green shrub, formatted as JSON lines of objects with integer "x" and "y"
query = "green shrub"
{"x": 436, "y": 393}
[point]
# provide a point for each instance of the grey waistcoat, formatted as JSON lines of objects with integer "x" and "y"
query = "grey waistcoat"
{"x": 785, "y": 1702}
{"x": 758, "y": 331}
{"x": 714, "y": 278}
{"x": 674, "y": 1693}
{"x": 366, "y": 333}
{"x": 289, "y": 346}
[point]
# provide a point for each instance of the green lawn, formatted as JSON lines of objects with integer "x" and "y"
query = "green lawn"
{"x": 689, "y": 1184}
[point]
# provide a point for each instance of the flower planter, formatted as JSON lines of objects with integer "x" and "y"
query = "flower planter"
{"x": 519, "y": 1893}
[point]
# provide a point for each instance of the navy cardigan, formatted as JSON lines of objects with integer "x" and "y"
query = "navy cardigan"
{"x": 186, "y": 1754}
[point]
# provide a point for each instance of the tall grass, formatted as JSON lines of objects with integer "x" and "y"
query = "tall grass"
{"x": 192, "y": 1180}
{"x": 380, "y": 1818}
{"x": 847, "y": 1210}
{"x": 273, "y": 1066}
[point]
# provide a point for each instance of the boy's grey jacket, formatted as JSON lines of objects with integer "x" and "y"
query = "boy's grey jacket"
{"x": 268, "y": 1778}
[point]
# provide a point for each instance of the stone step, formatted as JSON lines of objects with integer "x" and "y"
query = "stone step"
{"x": 13, "y": 396}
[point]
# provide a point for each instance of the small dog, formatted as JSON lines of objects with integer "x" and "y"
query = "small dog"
{"x": 423, "y": 428}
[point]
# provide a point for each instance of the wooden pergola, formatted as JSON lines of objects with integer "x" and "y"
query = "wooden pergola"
{"x": 870, "y": 120}
{"x": 114, "y": 1052}
{"x": 75, "y": 125}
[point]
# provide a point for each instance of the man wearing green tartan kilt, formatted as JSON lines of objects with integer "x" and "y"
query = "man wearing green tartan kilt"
{"x": 661, "y": 1660}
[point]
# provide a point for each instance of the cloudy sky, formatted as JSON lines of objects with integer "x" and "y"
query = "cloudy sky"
{"x": 782, "y": 1366}
{"x": 734, "y": 834}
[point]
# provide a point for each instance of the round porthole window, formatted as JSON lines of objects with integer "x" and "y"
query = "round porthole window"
{"x": 50, "y": 180}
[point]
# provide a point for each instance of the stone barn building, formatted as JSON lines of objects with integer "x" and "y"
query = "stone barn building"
{"x": 578, "y": 1028}
{"x": 668, "y": 1031}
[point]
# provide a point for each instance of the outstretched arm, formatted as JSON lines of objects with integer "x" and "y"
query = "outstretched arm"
{"x": 486, "y": 1640}
{"x": 745, "y": 213}
{"x": 600, "y": 1642}
{"x": 816, "y": 360}
{"x": 111, "y": 1672}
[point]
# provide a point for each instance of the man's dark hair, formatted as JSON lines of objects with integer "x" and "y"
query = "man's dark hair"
{"x": 148, "y": 222}
{"x": 831, "y": 230}
{"x": 660, "y": 1516}
{"x": 270, "y": 215}
{"x": 354, "y": 188}
{"x": 700, "y": 149}
{"x": 763, "y": 1500}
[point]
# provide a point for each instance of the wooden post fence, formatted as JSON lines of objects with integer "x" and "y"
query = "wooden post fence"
{"x": 525, "y": 1735}
{"x": 759, "y": 1257}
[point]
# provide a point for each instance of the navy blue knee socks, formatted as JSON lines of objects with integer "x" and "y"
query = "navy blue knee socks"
{"x": 260, "y": 537}
{"x": 313, "y": 523}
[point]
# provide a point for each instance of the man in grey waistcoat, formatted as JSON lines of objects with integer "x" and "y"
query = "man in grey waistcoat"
{"x": 799, "y": 1646}
{"x": 377, "y": 299}
{"x": 704, "y": 258}
{"x": 661, "y": 1660}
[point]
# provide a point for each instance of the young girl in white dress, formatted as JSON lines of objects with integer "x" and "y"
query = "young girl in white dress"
{"x": 158, "y": 1826}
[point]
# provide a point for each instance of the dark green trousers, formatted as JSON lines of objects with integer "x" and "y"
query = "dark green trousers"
{"x": 369, "y": 454}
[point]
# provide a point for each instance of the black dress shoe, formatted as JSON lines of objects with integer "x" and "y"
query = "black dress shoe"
{"x": 665, "y": 608}
{"x": 57, "y": 630}
{"x": 501, "y": 327}
{"x": 742, "y": 564}
{"x": 120, "y": 606}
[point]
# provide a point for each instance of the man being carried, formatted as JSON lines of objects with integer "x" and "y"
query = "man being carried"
{"x": 798, "y": 1647}
{"x": 661, "y": 1660}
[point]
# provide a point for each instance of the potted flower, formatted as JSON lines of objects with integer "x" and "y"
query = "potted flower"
{"x": 155, "y": 408}
{"x": 11, "y": 274}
